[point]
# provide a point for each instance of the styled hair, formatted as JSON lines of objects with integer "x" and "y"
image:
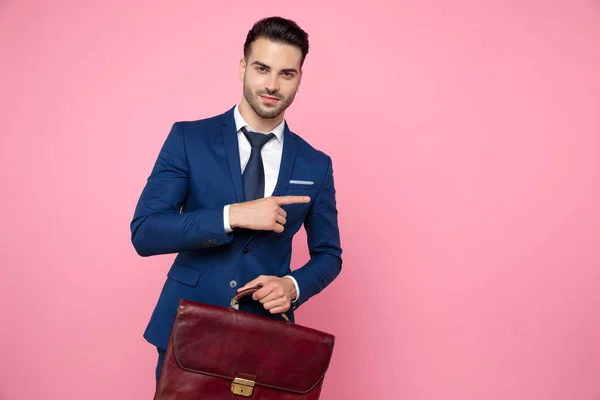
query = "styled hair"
{"x": 280, "y": 30}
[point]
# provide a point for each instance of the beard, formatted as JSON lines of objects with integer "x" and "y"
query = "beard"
{"x": 270, "y": 113}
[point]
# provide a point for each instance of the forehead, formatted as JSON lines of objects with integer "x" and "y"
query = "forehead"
{"x": 275, "y": 55}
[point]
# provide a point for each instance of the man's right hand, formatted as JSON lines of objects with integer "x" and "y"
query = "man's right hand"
{"x": 263, "y": 214}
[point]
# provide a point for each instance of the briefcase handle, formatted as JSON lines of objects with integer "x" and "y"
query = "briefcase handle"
{"x": 245, "y": 293}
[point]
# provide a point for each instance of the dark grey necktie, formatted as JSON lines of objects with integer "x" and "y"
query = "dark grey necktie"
{"x": 254, "y": 173}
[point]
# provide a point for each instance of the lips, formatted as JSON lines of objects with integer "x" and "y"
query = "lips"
{"x": 269, "y": 100}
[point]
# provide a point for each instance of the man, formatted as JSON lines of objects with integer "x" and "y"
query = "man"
{"x": 228, "y": 193}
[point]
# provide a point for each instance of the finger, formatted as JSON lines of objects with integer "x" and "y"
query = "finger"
{"x": 282, "y": 212}
{"x": 278, "y": 228}
{"x": 253, "y": 283}
{"x": 273, "y": 290}
{"x": 274, "y": 304}
{"x": 282, "y": 200}
{"x": 280, "y": 309}
{"x": 262, "y": 292}
{"x": 281, "y": 220}
{"x": 275, "y": 295}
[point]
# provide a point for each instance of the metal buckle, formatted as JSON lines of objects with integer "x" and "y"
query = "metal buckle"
{"x": 243, "y": 385}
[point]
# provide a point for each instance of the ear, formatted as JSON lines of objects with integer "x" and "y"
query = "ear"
{"x": 242, "y": 68}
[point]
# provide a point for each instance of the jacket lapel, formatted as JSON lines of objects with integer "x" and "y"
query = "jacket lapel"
{"x": 230, "y": 141}
{"x": 288, "y": 158}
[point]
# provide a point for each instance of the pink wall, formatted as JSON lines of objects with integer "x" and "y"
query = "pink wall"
{"x": 466, "y": 142}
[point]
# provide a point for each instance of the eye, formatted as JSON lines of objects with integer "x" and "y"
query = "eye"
{"x": 261, "y": 69}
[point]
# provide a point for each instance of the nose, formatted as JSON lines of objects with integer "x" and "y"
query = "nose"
{"x": 272, "y": 83}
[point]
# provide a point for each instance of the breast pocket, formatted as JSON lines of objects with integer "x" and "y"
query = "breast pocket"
{"x": 296, "y": 213}
{"x": 301, "y": 190}
{"x": 301, "y": 184}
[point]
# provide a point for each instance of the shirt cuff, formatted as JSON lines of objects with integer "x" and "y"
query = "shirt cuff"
{"x": 226, "y": 219}
{"x": 297, "y": 288}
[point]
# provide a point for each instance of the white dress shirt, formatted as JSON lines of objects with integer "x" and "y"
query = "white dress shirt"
{"x": 271, "y": 156}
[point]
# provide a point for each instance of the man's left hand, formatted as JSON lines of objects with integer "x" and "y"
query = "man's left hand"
{"x": 276, "y": 294}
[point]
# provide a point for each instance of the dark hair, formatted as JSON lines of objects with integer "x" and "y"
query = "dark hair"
{"x": 278, "y": 29}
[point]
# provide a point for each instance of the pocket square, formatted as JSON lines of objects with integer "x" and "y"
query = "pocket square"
{"x": 294, "y": 182}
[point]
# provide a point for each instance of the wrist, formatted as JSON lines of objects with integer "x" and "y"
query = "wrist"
{"x": 233, "y": 216}
{"x": 291, "y": 288}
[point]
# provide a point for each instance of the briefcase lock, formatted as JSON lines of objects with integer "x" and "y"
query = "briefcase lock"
{"x": 243, "y": 385}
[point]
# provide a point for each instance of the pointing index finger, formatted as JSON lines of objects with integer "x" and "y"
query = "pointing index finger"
{"x": 292, "y": 200}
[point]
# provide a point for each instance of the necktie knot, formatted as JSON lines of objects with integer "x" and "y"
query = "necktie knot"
{"x": 257, "y": 140}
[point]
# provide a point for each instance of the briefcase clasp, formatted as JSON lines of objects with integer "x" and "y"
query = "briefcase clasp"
{"x": 242, "y": 385}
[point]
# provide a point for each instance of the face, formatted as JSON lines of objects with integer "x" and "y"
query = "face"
{"x": 271, "y": 77}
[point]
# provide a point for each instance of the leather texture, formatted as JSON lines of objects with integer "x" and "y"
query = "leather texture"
{"x": 211, "y": 345}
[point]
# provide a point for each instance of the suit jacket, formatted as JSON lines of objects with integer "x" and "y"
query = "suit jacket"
{"x": 180, "y": 211}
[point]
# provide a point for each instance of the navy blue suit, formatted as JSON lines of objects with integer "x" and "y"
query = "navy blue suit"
{"x": 180, "y": 211}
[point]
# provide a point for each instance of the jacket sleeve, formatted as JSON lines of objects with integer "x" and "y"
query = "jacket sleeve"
{"x": 159, "y": 226}
{"x": 324, "y": 246}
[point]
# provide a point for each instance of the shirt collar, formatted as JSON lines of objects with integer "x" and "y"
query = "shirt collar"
{"x": 240, "y": 122}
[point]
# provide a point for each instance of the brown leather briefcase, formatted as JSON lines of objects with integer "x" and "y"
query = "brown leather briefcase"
{"x": 220, "y": 353}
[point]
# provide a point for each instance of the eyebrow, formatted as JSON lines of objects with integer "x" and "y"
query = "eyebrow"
{"x": 267, "y": 67}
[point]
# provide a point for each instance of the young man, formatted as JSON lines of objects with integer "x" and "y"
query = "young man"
{"x": 229, "y": 192}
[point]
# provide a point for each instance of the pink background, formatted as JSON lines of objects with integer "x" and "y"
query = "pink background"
{"x": 466, "y": 145}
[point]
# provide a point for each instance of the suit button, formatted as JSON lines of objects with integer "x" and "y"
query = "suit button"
{"x": 232, "y": 284}
{"x": 245, "y": 251}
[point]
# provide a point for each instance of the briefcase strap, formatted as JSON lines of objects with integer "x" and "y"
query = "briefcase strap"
{"x": 249, "y": 292}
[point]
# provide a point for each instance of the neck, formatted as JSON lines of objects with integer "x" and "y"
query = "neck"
{"x": 261, "y": 125}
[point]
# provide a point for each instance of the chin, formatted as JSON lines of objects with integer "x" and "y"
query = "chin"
{"x": 268, "y": 113}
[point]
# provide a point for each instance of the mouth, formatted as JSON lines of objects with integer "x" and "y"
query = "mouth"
{"x": 269, "y": 99}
